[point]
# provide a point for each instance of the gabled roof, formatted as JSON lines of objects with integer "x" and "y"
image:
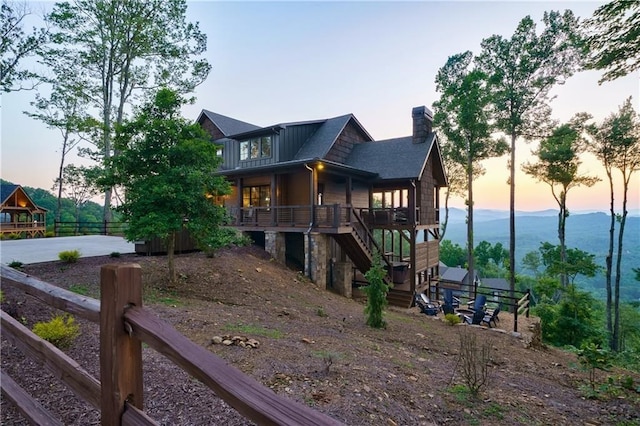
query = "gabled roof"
{"x": 397, "y": 158}
{"x": 6, "y": 191}
{"x": 454, "y": 274}
{"x": 227, "y": 125}
{"x": 496, "y": 283}
{"x": 320, "y": 143}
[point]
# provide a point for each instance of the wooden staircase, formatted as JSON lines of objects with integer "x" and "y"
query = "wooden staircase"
{"x": 361, "y": 254}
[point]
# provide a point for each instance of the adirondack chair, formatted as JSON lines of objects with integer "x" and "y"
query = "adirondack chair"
{"x": 476, "y": 318}
{"x": 491, "y": 317}
{"x": 426, "y": 307}
{"x": 478, "y": 304}
{"x": 447, "y": 307}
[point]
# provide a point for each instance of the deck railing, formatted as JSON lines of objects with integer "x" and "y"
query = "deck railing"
{"x": 124, "y": 326}
{"x": 62, "y": 228}
{"x": 321, "y": 216}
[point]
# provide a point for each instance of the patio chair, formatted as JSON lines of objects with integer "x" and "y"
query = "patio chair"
{"x": 478, "y": 304}
{"x": 491, "y": 317}
{"x": 476, "y": 318}
{"x": 447, "y": 307}
{"x": 426, "y": 307}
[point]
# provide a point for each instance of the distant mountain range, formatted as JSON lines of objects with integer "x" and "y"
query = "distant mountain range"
{"x": 586, "y": 231}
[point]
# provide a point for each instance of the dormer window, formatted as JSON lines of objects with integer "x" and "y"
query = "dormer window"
{"x": 255, "y": 148}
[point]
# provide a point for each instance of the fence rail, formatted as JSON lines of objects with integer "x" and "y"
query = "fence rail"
{"x": 519, "y": 304}
{"x": 124, "y": 326}
{"x": 89, "y": 228}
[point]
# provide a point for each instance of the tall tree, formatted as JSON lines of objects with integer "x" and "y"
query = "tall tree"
{"x": 121, "y": 50}
{"x": 457, "y": 185}
{"x": 166, "y": 166}
{"x": 17, "y": 45}
{"x": 521, "y": 72}
{"x": 77, "y": 188}
{"x": 557, "y": 166}
{"x": 616, "y": 143}
{"x": 613, "y": 41}
{"x": 65, "y": 110}
{"x": 462, "y": 114}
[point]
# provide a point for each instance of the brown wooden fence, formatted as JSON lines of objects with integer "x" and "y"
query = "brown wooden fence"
{"x": 124, "y": 326}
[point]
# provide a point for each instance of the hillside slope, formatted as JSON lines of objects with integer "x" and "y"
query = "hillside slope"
{"x": 315, "y": 348}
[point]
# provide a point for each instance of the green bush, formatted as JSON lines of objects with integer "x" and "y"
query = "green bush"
{"x": 61, "y": 331}
{"x": 49, "y": 234}
{"x": 69, "y": 256}
{"x": 16, "y": 264}
{"x": 376, "y": 293}
{"x": 114, "y": 254}
{"x": 452, "y": 319}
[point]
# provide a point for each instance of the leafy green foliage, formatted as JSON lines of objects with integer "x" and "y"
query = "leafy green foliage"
{"x": 452, "y": 319}
{"x": 574, "y": 320}
{"x": 593, "y": 358}
{"x": 69, "y": 256}
{"x": 577, "y": 262}
{"x": 17, "y": 45}
{"x": 452, "y": 254}
{"x": 15, "y": 264}
{"x": 61, "y": 331}
{"x": 167, "y": 166}
{"x": 376, "y": 293}
{"x": 614, "y": 43}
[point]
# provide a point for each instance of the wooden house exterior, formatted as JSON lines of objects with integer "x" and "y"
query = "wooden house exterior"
{"x": 324, "y": 196}
{"x": 19, "y": 215}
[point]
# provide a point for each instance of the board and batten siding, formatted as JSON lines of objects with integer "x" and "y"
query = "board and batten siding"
{"x": 425, "y": 198}
{"x": 292, "y": 138}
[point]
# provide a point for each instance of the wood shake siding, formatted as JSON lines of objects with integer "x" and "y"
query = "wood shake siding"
{"x": 212, "y": 129}
{"x": 350, "y": 136}
{"x": 426, "y": 200}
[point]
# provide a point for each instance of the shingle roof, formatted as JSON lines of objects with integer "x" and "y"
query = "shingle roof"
{"x": 227, "y": 125}
{"x": 322, "y": 140}
{"x": 397, "y": 158}
{"x": 454, "y": 275}
{"x": 6, "y": 190}
{"x": 495, "y": 283}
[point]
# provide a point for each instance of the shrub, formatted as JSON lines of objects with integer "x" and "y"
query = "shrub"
{"x": 69, "y": 256}
{"x": 452, "y": 319}
{"x": 114, "y": 254}
{"x": 376, "y": 293}
{"x": 594, "y": 358}
{"x": 61, "y": 331}
{"x": 474, "y": 360}
{"x": 16, "y": 264}
{"x": 49, "y": 234}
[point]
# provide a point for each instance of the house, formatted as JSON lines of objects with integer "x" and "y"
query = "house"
{"x": 19, "y": 215}
{"x": 324, "y": 196}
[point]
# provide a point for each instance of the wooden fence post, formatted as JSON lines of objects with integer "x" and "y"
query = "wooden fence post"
{"x": 120, "y": 354}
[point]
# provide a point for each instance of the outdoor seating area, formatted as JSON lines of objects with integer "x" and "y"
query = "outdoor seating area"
{"x": 474, "y": 312}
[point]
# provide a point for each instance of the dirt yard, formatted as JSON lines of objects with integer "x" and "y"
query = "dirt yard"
{"x": 314, "y": 347}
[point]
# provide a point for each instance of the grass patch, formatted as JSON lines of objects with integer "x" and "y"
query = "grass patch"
{"x": 157, "y": 297}
{"x": 256, "y": 330}
{"x": 80, "y": 289}
{"x": 495, "y": 411}
{"x": 460, "y": 392}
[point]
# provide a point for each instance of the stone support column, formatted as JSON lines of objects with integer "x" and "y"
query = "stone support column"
{"x": 316, "y": 258}
{"x": 343, "y": 278}
{"x": 274, "y": 244}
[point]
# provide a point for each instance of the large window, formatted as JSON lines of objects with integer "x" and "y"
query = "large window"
{"x": 255, "y": 148}
{"x": 256, "y": 196}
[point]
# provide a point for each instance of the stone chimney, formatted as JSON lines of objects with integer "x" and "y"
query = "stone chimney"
{"x": 422, "y": 123}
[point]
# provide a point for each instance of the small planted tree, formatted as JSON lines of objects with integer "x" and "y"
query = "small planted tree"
{"x": 167, "y": 167}
{"x": 376, "y": 293}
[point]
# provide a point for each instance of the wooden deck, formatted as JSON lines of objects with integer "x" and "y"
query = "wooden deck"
{"x": 27, "y": 229}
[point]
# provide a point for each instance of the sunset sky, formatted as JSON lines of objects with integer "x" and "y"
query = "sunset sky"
{"x": 287, "y": 61}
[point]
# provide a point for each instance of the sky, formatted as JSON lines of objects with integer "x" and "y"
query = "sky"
{"x": 287, "y": 61}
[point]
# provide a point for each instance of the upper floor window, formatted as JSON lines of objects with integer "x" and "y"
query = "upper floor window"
{"x": 255, "y": 148}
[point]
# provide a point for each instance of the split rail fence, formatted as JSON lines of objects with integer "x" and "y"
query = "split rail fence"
{"x": 124, "y": 326}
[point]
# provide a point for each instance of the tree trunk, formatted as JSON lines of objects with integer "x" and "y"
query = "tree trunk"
{"x": 171, "y": 245}
{"x": 512, "y": 219}
{"x": 443, "y": 227}
{"x": 470, "y": 263}
{"x": 562, "y": 221}
{"x": 616, "y": 294}
{"x": 609, "y": 262}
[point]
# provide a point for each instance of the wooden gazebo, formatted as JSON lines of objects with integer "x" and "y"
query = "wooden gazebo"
{"x": 19, "y": 215}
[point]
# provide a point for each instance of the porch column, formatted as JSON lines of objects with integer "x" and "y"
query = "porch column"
{"x": 315, "y": 257}
{"x": 273, "y": 198}
{"x": 240, "y": 214}
{"x": 274, "y": 244}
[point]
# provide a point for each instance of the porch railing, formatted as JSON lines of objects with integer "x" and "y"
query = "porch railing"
{"x": 321, "y": 216}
